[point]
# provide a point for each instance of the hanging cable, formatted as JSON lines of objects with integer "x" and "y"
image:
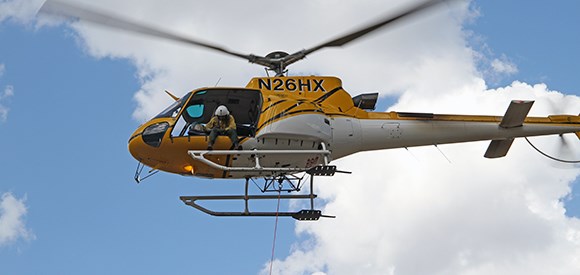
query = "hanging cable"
{"x": 275, "y": 228}
{"x": 550, "y": 157}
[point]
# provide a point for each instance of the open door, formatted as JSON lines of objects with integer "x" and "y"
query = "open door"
{"x": 244, "y": 105}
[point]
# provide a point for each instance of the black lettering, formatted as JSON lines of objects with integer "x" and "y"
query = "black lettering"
{"x": 302, "y": 85}
{"x": 262, "y": 84}
{"x": 291, "y": 84}
{"x": 278, "y": 84}
{"x": 318, "y": 85}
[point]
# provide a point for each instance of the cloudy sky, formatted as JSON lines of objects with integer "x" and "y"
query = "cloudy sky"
{"x": 71, "y": 94}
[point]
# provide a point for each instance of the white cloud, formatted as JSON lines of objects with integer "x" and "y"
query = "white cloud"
{"x": 397, "y": 213}
{"x": 392, "y": 57}
{"x": 8, "y": 92}
{"x": 423, "y": 215}
{"x": 12, "y": 226}
{"x": 504, "y": 66}
{"x": 22, "y": 11}
{"x": 4, "y": 95}
{"x": 491, "y": 68}
{"x": 3, "y": 113}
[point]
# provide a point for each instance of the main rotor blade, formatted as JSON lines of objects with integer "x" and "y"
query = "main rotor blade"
{"x": 109, "y": 20}
{"x": 349, "y": 37}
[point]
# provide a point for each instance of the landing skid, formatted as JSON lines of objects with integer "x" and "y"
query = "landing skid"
{"x": 294, "y": 185}
{"x": 303, "y": 215}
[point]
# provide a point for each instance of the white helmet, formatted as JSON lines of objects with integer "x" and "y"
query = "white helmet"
{"x": 222, "y": 111}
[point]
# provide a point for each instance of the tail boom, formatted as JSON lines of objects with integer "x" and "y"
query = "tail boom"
{"x": 402, "y": 130}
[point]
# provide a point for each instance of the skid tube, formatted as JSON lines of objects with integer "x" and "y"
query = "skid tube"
{"x": 302, "y": 215}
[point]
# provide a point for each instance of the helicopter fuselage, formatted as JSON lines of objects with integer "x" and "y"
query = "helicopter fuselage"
{"x": 290, "y": 119}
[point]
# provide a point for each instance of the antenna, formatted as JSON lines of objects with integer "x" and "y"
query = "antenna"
{"x": 412, "y": 155}
{"x": 171, "y": 95}
{"x": 442, "y": 153}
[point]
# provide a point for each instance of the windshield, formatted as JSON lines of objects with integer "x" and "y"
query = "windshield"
{"x": 173, "y": 109}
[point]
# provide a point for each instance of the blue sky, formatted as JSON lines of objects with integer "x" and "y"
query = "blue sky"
{"x": 540, "y": 40}
{"x": 63, "y": 147}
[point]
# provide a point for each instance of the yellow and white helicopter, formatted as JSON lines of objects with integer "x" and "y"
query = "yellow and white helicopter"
{"x": 293, "y": 126}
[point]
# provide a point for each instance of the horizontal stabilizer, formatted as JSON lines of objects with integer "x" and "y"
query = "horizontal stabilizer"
{"x": 498, "y": 148}
{"x": 516, "y": 114}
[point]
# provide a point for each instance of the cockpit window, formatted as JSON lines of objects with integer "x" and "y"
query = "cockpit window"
{"x": 173, "y": 109}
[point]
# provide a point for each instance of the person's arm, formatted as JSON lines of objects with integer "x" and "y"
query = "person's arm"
{"x": 211, "y": 124}
{"x": 232, "y": 124}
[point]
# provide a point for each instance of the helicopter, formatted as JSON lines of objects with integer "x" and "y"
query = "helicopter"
{"x": 291, "y": 128}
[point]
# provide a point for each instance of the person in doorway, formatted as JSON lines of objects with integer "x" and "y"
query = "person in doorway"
{"x": 222, "y": 124}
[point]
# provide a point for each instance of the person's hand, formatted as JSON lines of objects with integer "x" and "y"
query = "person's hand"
{"x": 198, "y": 127}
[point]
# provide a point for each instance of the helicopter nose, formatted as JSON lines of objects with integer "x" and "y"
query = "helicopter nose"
{"x": 145, "y": 140}
{"x": 136, "y": 146}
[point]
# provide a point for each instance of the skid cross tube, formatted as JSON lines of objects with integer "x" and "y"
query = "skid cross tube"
{"x": 294, "y": 183}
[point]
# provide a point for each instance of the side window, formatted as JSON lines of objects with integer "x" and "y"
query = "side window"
{"x": 195, "y": 111}
{"x": 193, "y": 114}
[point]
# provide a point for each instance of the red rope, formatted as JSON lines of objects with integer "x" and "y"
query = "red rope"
{"x": 275, "y": 231}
